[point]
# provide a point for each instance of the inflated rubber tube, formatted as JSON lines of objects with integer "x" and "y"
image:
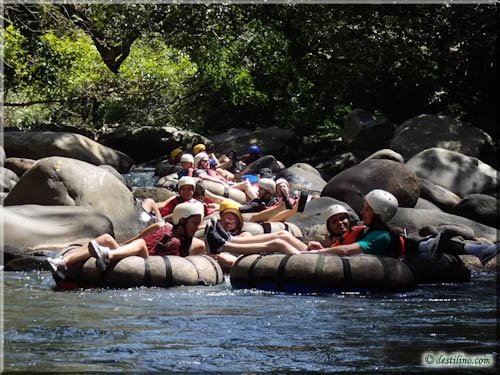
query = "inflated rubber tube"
{"x": 271, "y": 227}
{"x": 448, "y": 269}
{"x": 219, "y": 189}
{"x": 159, "y": 271}
{"x": 321, "y": 273}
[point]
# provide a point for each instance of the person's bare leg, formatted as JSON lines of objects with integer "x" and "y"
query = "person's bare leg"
{"x": 281, "y": 235}
{"x": 136, "y": 247}
{"x": 78, "y": 255}
{"x": 247, "y": 188}
{"x": 265, "y": 215}
{"x": 82, "y": 253}
{"x": 226, "y": 260}
{"x": 149, "y": 205}
{"x": 213, "y": 197}
{"x": 273, "y": 246}
{"x": 225, "y": 173}
{"x": 197, "y": 247}
{"x": 284, "y": 215}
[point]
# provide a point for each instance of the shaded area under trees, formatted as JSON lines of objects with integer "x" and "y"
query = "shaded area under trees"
{"x": 208, "y": 68}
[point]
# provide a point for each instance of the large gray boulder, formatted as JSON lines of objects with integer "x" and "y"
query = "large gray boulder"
{"x": 413, "y": 220}
{"x": 481, "y": 208}
{"x": 461, "y": 174}
{"x": 8, "y": 179}
{"x": 29, "y": 229}
{"x": 424, "y": 204}
{"x": 68, "y": 182}
{"x": 229, "y": 136}
{"x": 387, "y": 154}
{"x": 150, "y": 142}
{"x": 268, "y": 161}
{"x": 338, "y": 163}
{"x": 312, "y": 222}
{"x": 19, "y": 165}
{"x": 438, "y": 195}
{"x": 366, "y": 131}
{"x": 272, "y": 141}
{"x": 302, "y": 176}
{"x": 428, "y": 131}
{"x": 38, "y": 145}
{"x": 353, "y": 184}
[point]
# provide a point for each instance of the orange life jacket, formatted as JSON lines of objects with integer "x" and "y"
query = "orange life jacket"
{"x": 350, "y": 237}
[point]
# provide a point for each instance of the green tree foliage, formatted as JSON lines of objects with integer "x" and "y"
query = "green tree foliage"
{"x": 211, "y": 67}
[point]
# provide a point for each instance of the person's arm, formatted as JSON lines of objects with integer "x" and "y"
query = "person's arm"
{"x": 148, "y": 230}
{"x": 285, "y": 214}
{"x": 342, "y": 250}
{"x": 268, "y": 214}
{"x": 163, "y": 204}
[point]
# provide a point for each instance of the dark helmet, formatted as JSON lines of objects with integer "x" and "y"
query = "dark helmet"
{"x": 254, "y": 149}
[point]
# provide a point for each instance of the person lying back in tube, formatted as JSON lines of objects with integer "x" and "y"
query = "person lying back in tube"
{"x": 157, "y": 239}
{"x": 375, "y": 239}
{"x": 205, "y": 172}
{"x": 342, "y": 232}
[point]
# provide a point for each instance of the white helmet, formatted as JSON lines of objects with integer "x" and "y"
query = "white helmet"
{"x": 186, "y": 210}
{"x": 334, "y": 209}
{"x": 186, "y": 180}
{"x": 267, "y": 184}
{"x": 199, "y": 157}
{"x": 382, "y": 203}
{"x": 280, "y": 181}
{"x": 187, "y": 158}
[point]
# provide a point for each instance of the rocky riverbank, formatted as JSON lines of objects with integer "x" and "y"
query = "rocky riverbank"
{"x": 62, "y": 188}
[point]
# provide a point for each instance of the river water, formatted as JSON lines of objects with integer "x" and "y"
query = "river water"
{"x": 220, "y": 330}
{"x": 217, "y": 329}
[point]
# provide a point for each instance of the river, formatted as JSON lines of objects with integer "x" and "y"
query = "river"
{"x": 218, "y": 329}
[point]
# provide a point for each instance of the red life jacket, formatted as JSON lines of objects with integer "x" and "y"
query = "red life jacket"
{"x": 350, "y": 237}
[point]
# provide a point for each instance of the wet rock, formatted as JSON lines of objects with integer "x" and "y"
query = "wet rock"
{"x": 424, "y": 204}
{"x": 481, "y": 208}
{"x": 415, "y": 219}
{"x": 386, "y": 154}
{"x": 8, "y": 179}
{"x": 38, "y": 145}
{"x": 272, "y": 141}
{"x": 366, "y": 131}
{"x": 69, "y": 182}
{"x": 303, "y": 176}
{"x": 461, "y": 174}
{"x": 427, "y": 131}
{"x": 230, "y": 136}
{"x": 150, "y": 142}
{"x": 114, "y": 172}
{"x": 353, "y": 184}
{"x": 19, "y": 165}
{"x": 164, "y": 168}
{"x": 268, "y": 161}
{"x": 158, "y": 194}
{"x": 337, "y": 164}
{"x": 441, "y": 197}
{"x": 30, "y": 229}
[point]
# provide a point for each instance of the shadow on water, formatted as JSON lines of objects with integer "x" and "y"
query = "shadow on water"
{"x": 216, "y": 329}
